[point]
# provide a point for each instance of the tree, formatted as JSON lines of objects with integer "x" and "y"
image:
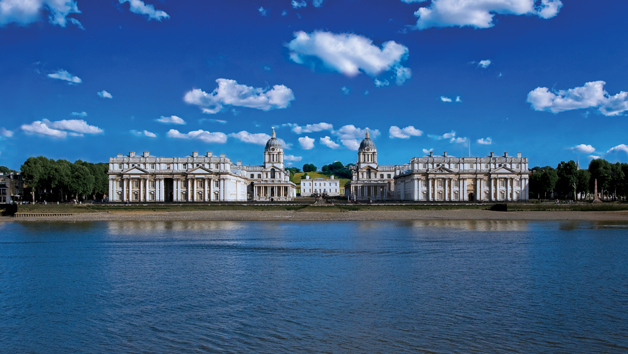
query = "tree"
{"x": 567, "y": 178}
{"x": 61, "y": 171}
{"x": 308, "y": 167}
{"x": 81, "y": 181}
{"x": 548, "y": 181}
{"x": 600, "y": 170}
{"x": 36, "y": 173}
{"x": 5, "y": 170}
{"x": 583, "y": 182}
{"x": 617, "y": 179}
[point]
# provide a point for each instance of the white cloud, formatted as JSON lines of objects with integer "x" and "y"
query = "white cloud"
{"x": 328, "y": 142}
{"x": 65, "y": 76}
{"x": 306, "y": 142}
{"x": 484, "y": 63}
{"x": 171, "y": 120}
{"x": 104, "y": 94}
{"x": 379, "y": 83}
{"x": 41, "y": 128}
{"x": 451, "y": 136}
{"x": 5, "y": 133}
{"x": 24, "y": 12}
{"x": 144, "y": 133}
{"x": 351, "y": 144}
{"x": 310, "y": 128}
{"x": 262, "y": 11}
{"x": 139, "y": 7}
{"x": 483, "y": 141}
{"x": 427, "y": 152}
{"x": 257, "y": 138}
{"x": 317, "y": 3}
{"x": 405, "y": 133}
{"x": 229, "y": 92}
{"x": 583, "y": 149}
{"x": 594, "y": 157}
{"x": 458, "y": 99}
{"x": 591, "y": 95}
{"x": 350, "y": 54}
{"x": 618, "y": 148}
{"x": 298, "y": 4}
{"x": 445, "y": 99}
{"x": 202, "y": 135}
{"x": 349, "y": 135}
{"x": 79, "y": 114}
{"x": 292, "y": 158}
{"x": 75, "y": 125}
{"x": 345, "y": 90}
{"x": 480, "y": 13}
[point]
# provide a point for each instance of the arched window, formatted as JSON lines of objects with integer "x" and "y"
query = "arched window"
{"x": 368, "y": 174}
{"x": 272, "y": 173}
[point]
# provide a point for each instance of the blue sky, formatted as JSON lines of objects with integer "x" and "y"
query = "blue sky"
{"x": 92, "y": 79}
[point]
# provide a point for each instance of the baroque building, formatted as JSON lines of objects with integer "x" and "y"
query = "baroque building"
{"x": 330, "y": 186}
{"x": 198, "y": 178}
{"x": 439, "y": 178}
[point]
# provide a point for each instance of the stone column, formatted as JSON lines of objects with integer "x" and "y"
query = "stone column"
{"x": 419, "y": 187}
{"x": 162, "y": 193}
{"x": 124, "y": 188}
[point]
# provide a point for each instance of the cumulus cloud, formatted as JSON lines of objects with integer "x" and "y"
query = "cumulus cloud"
{"x": 485, "y": 141}
{"x": 484, "y": 63}
{"x": 41, "y": 128}
{"x": 310, "y": 128}
{"x": 591, "y": 95}
{"x": 25, "y": 12}
{"x": 141, "y": 8}
{"x": 171, "y": 120}
{"x": 298, "y": 4}
{"x": 405, "y": 133}
{"x": 451, "y": 136}
{"x": 5, "y": 133}
{"x": 445, "y": 99}
{"x": 618, "y": 148}
{"x": 583, "y": 149}
{"x": 381, "y": 83}
{"x": 350, "y": 136}
{"x": 350, "y": 54}
{"x": 256, "y": 138}
{"x": 74, "y": 125}
{"x": 306, "y": 142}
{"x": 65, "y": 76}
{"x": 104, "y": 94}
{"x": 292, "y": 158}
{"x": 229, "y": 92}
{"x": 427, "y": 152}
{"x": 480, "y": 13}
{"x": 144, "y": 133}
{"x": 328, "y": 142}
{"x": 594, "y": 157}
{"x": 79, "y": 114}
{"x": 202, "y": 135}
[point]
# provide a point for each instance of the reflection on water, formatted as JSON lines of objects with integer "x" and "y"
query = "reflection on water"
{"x": 284, "y": 287}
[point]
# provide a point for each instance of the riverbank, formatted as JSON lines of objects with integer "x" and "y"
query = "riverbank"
{"x": 324, "y": 214}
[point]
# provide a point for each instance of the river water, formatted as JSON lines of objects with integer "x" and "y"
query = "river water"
{"x": 320, "y": 287}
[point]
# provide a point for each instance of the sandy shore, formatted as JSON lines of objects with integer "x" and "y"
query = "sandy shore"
{"x": 241, "y": 215}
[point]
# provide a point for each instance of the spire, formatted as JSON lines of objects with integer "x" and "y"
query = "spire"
{"x": 367, "y": 133}
{"x": 274, "y": 136}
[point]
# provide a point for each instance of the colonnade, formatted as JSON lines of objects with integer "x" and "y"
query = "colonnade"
{"x": 146, "y": 189}
{"x": 273, "y": 191}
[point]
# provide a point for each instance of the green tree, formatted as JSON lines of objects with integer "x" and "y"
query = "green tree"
{"x": 35, "y": 174}
{"x": 4, "y": 170}
{"x": 567, "y": 178}
{"x": 601, "y": 171}
{"x": 81, "y": 180}
{"x": 308, "y": 167}
{"x": 617, "y": 179}
{"x": 623, "y": 188}
{"x": 61, "y": 171}
{"x": 549, "y": 178}
{"x": 583, "y": 182}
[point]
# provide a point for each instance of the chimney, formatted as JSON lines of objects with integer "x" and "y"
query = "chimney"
{"x": 492, "y": 154}
{"x": 431, "y": 153}
{"x": 222, "y": 155}
{"x": 445, "y": 154}
{"x": 195, "y": 154}
{"x": 146, "y": 154}
{"x": 132, "y": 154}
{"x": 505, "y": 153}
{"x": 518, "y": 154}
{"x": 209, "y": 154}
{"x": 332, "y": 177}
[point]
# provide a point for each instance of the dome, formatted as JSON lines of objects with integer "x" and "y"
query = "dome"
{"x": 367, "y": 143}
{"x": 273, "y": 142}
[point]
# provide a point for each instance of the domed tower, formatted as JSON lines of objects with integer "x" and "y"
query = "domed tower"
{"x": 273, "y": 153}
{"x": 367, "y": 154}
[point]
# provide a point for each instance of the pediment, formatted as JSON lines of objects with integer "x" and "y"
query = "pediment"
{"x": 199, "y": 171}
{"x": 502, "y": 170}
{"x": 440, "y": 169}
{"x": 135, "y": 171}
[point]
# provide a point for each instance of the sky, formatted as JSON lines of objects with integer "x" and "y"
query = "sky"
{"x": 92, "y": 79}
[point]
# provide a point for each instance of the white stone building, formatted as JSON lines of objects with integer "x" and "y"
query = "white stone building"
{"x": 330, "y": 186}
{"x": 439, "y": 178}
{"x": 197, "y": 178}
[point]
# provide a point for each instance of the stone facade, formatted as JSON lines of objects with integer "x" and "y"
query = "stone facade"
{"x": 11, "y": 188}
{"x": 439, "y": 178}
{"x": 330, "y": 186}
{"x": 197, "y": 178}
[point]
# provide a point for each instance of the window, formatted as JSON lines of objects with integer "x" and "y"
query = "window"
{"x": 217, "y": 183}
{"x": 518, "y": 183}
{"x": 185, "y": 165}
{"x": 199, "y": 184}
{"x": 368, "y": 174}
{"x": 136, "y": 184}
{"x": 388, "y": 175}
{"x": 152, "y": 184}
{"x": 502, "y": 183}
{"x": 169, "y": 166}
{"x": 272, "y": 173}
{"x": 120, "y": 184}
{"x": 252, "y": 175}
{"x": 440, "y": 182}
{"x": 152, "y": 165}
{"x": 120, "y": 166}
{"x": 381, "y": 176}
{"x": 488, "y": 166}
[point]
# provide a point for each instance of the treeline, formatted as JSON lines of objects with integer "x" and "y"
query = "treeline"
{"x": 337, "y": 169}
{"x": 61, "y": 180}
{"x": 566, "y": 181}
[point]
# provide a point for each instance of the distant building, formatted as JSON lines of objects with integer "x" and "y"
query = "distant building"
{"x": 11, "y": 188}
{"x": 439, "y": 178}
{"x": 330, "y": 186}
{"x": 197, "y": 178}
